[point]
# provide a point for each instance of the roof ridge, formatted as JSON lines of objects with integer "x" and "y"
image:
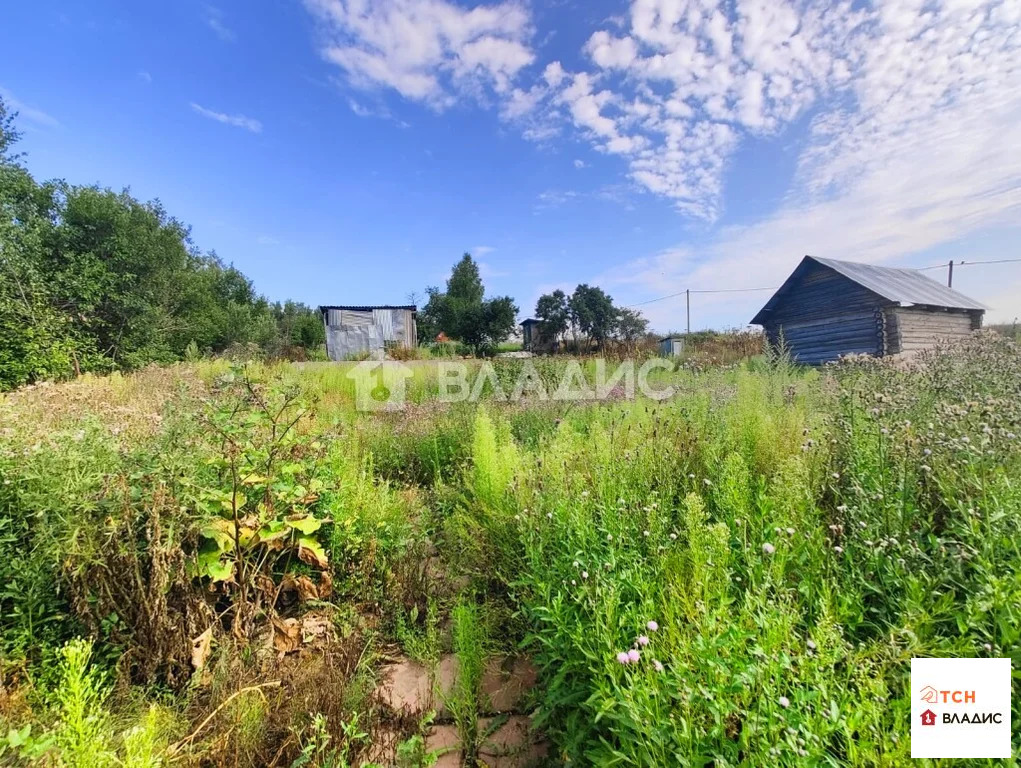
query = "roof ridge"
{"x": 902, "y": 286}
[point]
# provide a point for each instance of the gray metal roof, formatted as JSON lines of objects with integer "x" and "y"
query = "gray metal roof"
{"x": 906, "y": 287}
{"x": 367, "y": 307}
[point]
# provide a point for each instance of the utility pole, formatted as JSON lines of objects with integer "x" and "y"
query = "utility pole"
{"x": 950, "y": 275}
{"x": 687, "y": 303}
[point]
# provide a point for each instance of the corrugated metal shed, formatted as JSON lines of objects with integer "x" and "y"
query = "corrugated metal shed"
{"x": 530, "y": 334}
{"x": 368, "y": 307}
{"x": 906, "y": 287}
{"x": 352, "y": 331}
{"x": 671, "y": 346}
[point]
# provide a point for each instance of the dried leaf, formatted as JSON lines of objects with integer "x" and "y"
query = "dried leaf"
{"x": 315, "y": 627}
{"x": 325, "y": 585}
{"x": 266, "y": 585}
{"x": 307, "y": 589}
{"x": 312, "y": 552}
{"x": 201, "y": 647}
{"x": 286, "y": 635}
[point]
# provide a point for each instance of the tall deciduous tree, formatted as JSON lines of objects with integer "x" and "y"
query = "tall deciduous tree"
{"x": 593, "y": 312}
{"x": 95, "y": 280}
{"x": 554, "y": 315}
{"x": 631, "y": 326}
{"x": 464, "y": 314}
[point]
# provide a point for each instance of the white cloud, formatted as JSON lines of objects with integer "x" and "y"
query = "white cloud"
{"x": 880, "y": 218}
{"x": 267, "y": 240}
{"x": 481, "y": 250}
{"x": 144, "y": 76}
{"x": 378, "y": 111}
{"x": 924, "y": 149}
{"x": 238, "y": 121}
{"x": 488, "y": 272}
{"x": 913, "y": 110}
{"x": 213, "y": 18}
{"x": 579, "y": 164}
{"x": 611, "y": 52}
{"x": 915, "y": 136}
{"x": 361, "y": 110}
{"x": 554, "y": 198}
{"x": 676, "y": 94}
{"x": 27, "y": 112}
{"x": 431, "y": 51}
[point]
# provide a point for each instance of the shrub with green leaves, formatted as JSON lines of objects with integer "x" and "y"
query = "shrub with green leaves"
{"x": 736, "y": 576}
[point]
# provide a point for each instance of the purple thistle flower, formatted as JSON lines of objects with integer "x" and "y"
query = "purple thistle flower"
{"x": 652, "y": 626}
{"x": 633, "y": 656}
{"x": 622, "y": 658}
{"x": 658, "y": 665}
{"x": 643, "y": 640}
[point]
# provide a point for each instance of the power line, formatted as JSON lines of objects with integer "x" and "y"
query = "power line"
{"x": 731, "y": 290}
{"x": 745, "y": 290}
{"x": 682, "y": 293}
{"x": 963, "y": 263}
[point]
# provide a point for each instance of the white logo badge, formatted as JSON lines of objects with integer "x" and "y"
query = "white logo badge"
{"x": 960, "y": 708}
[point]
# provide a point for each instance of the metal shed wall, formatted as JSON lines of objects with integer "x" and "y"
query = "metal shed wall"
{"x": 671, "y": 347}
{"x": 531, "y": 337}
{"x": 355, "y": 331}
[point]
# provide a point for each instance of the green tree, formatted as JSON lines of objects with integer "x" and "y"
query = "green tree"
{"x": 631, "y": 326}
{"x": 554, "y": 316}
{"x": 115, "y": 266}
{"x": 36, "y": 341}
{"x": 593, "y": 313}
{"x": 464, "y": 314}
{"x": 299, "y": 326}
{"x": 96, "y": 280}
{"x": 9, "y": 135}
{"x": 465, "y": 283}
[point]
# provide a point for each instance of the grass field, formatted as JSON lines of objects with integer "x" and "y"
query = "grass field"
{"x": 210, "y": 565}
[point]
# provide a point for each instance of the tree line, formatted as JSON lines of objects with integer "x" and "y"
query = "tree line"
{"x": 93, "y": 280}
{"x": 96, "y": 280}
{"x": 463, "y": 313}
{"x": 587, "y": 317}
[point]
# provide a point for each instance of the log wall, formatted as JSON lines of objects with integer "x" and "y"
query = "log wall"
{"x": 914, "y": 328}
{"x": 825, "y": 316}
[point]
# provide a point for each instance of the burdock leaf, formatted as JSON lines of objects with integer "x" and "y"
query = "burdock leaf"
{"x": 304, "y": 523}
{"x": 221, "y": 532}
{"x": 312, "y": 552}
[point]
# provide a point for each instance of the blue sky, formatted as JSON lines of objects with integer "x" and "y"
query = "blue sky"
{"x": 346, "y": 151}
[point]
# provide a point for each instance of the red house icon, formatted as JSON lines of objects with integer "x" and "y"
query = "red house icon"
{"x": 928, "y": 717}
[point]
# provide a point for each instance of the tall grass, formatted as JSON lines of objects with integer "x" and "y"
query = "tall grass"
{"x": 736, "y": 576}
